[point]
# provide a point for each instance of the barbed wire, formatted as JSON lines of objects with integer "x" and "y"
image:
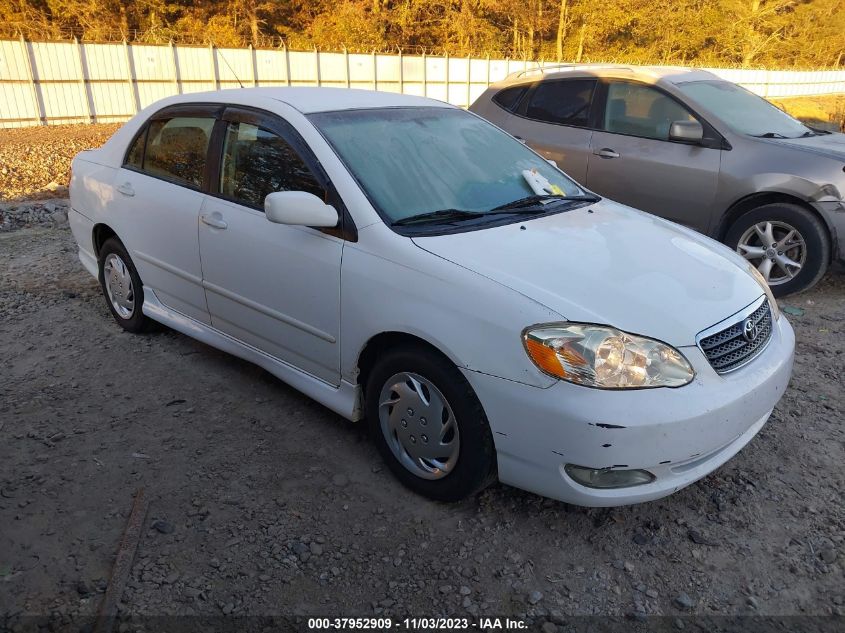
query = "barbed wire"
{"x": 164, "y": 37}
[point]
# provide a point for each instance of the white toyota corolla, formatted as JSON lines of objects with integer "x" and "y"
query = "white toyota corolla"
{"x": 405, "y": 262}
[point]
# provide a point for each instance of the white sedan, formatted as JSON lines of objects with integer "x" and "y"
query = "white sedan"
{"x": 403, "y": 261}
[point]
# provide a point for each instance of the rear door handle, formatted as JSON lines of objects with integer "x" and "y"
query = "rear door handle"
{"x": 214, "y": 220}
{"x": 606, "y": 152}
{"x": 520, "y": 139}
{"x": 126, "y": 189}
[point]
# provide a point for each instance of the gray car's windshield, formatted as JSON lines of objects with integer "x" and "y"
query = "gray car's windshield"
{"x": 744, "y": 111}
{"x": 438, "y": 164}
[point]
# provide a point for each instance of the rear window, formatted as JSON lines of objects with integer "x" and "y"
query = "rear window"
{"x": 567, "y": 102}
{"x": 176, "y": 148}
{"x": 509, "y": 97}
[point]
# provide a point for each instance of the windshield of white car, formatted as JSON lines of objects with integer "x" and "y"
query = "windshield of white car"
{"x": 743, "y": 111}
{"x": 422, "y": 161}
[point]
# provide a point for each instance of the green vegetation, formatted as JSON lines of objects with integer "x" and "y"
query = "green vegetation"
{"x": 750, "y": 33}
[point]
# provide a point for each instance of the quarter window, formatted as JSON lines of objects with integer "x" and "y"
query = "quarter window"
{"x": 567, "y": 102}
{"x": 176, "y": 148}
{"x": 257, "y": 162}
{"x": 642, "y": 111}
{"x": 135, "y": 156}
{"x": 509, "y": 97}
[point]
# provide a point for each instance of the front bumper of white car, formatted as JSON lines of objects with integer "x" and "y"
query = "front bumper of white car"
{"x": 678, "y": 435}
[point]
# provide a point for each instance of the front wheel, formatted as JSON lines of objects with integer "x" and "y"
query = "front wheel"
{"x": 428, "y": 425}
{"x": 788, "y": 244}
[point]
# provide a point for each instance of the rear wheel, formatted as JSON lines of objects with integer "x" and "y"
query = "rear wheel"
{"x": 788, "y": 244}
{"x": 428, "y": 424}
{"x": 122, "y": 287}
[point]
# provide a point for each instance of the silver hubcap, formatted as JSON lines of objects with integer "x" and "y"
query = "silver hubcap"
{"x": 776, "y": 249}
{"x": 119, "y": 286}
{"x": 419, "y": 425}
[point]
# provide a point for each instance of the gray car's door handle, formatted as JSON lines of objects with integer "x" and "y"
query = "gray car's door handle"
{"x": 606, "y": 152}
{"x": 126, "y": 189}
{"x": 214, "y": 220}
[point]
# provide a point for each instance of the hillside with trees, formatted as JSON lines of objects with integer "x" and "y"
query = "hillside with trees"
{"x": 751, "y": 33}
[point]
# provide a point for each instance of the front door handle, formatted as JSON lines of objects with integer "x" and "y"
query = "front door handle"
{"x": 214, "y": 220}
{"x": 606, "y": 152}
{"x": 126, "y": 189}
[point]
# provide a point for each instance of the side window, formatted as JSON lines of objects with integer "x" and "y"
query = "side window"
{"x": 641, "y": 111}
{"x": 135, "y": 155}
{"x": 509, "y": 97}
{"x": 257, "y": 162}
{"x": 566, "y": 102}
{"x": 176, "y": 148}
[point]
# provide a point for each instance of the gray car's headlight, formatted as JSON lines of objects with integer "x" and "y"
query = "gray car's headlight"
{"x": 773, "y": 304}
{"x": 604, "y": 357}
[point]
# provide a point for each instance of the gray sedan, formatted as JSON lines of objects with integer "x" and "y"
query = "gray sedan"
{"x": 690, "y": 147}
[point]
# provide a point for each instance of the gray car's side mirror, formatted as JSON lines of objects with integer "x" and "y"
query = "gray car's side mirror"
{"x": 686, "y": 131}
{"x": 299, "y": 208}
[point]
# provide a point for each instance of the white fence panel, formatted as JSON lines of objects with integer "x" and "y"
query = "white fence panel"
{"x": 67, "y": 82}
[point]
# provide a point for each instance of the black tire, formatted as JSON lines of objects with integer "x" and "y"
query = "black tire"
{"x": 475, "y": 467}
{"x": 137, "y": 322}
{"x": 812, "y": 229}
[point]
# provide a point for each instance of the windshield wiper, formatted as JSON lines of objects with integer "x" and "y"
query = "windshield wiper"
{"x": 443, "y": 215}
{"x": 770, "y": 135}
{"x": 532, "y": 203}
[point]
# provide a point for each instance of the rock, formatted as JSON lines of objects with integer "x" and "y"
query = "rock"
{"x": 652, "y": 593}
{"x": 316, "y": 548}
{"x": 340, "y": 480}
{"x": 792, "y": 311}
{"x": 699, "y": 539}
{"x": 445, "y": 589}
{"x": 828, "y": 555}
{"x": 751, "y": 601}
{"x": 82, "y": 588}
{"x": 162, "y": 526}
{"x": 641, "y": 539}
{"x": 549, "y": 627}
{"x": 465, "y": 591}
{"x": 535, "y": 596}
{"x": 683, "y": 601}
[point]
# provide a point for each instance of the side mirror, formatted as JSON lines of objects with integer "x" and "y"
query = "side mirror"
{"x": 686, "y": 131}
{"x": 299, "y": 208}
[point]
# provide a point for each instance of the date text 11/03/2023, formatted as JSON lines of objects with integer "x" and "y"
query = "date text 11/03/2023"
{"x": 417, "y": 624}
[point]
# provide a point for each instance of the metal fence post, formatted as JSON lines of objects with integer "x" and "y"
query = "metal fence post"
{"x": 252, "y": 62}
{"x": 317, "y": 64}
{"x": 214, "y": 67}
{"x": 37, "y": 98}
{"x": 401, "y": 74}
{"x": 425, "y": 76}
{"x": 176, "y": 81}
{"x": 447, "y": 79}
{"x": 346, "y": 66}
{"x": 488, "y": 71}
{"x": 469, "y": 85}
{"x": 287, "y": 64}
{"x": 83, "y": 85}
{"x": 375, "y": 71}
{"x": 130, "y": 78}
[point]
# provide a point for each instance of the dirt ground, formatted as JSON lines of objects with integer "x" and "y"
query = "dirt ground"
{"x": 264, "y": 503}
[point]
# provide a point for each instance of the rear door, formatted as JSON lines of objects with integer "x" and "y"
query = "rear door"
{"x": 273, "y": 286}
{"x": 633, "y": 161}
{"x": 158, "y": 194}
{"x": 554, "y": 118}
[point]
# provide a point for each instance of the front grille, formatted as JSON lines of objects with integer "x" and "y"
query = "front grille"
{"x": 729, "y": 349}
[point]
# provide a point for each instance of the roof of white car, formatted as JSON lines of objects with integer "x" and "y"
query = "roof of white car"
{"x": 312, "y": 99}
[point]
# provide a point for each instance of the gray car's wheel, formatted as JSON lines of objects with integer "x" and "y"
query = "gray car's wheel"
{"x": 428, "y": 424}
{"x": 122, "y": 287}
{"x": 788, "y": 244}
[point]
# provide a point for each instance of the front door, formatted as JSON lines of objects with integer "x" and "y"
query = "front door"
{"x": 633, "y": 161}
{"x": 273, "y": 286}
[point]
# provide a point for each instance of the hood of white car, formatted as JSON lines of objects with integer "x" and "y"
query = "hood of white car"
{"x": 610, "y": 264}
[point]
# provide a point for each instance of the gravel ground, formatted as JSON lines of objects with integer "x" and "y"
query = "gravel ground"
{"x": 35, "y": 161}
{"x": 262, "y": 502}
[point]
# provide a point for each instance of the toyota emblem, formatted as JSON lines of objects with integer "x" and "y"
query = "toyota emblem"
{"x": 750, "y": 330}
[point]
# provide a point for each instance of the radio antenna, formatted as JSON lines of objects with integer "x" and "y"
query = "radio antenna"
{"x": 230, "y": 68}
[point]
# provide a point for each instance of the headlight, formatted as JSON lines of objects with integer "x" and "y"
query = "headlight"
{"x": 773, "y": 304}
{"x": 604, "y": 357}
